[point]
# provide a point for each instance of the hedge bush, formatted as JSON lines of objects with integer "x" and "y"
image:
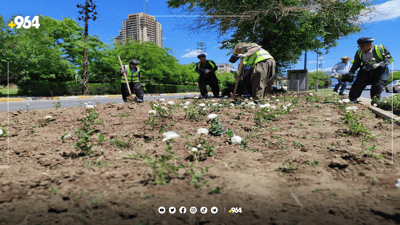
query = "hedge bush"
{"x": 51, "y": 88}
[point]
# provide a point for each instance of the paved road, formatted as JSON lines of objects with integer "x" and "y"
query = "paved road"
{"x": 47, "y": 104}
{"x": 366, "y": 93}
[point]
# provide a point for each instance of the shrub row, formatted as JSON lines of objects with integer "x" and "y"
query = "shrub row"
{"x": 48, "y": 88}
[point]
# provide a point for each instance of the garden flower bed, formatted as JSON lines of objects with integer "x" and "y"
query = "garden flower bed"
{"x": 295, "y": 158}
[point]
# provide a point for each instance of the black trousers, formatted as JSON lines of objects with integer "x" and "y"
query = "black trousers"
{"x": 135, "y": 88}
{"x": 247, "y": 84}
{"x": 376, "y": 78}
{"x": 210, "y": 80}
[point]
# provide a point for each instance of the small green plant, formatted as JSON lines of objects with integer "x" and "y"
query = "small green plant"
{"x": 371, "y": 152}
{"x": 215, "y": 190}
{"x": 57, "y": 105}
{"x": 54, "y": 189}
{"x": 298, "y": 144}
{"x": 3, "y": 132}
{"x": 124, "y": 115}
{"x": 163, "y": 169}
{"x": 287, "y": 167}
{"x": 315, "y": 163}
{"x": 121, "y": 143}
{"x": 216, "y": 128}
{"x": 197, "y": 175}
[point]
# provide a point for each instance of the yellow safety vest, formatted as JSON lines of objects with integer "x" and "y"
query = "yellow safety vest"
{"x": 209, "y": 61}
{"x": 134, "y": 78}
{"x": 257, "y": 57}
{"x": 378, "y": 53}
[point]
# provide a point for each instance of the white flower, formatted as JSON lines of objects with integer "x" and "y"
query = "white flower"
{"x": 89, "y": 106}
{"x": 267, "y": 105}
{"x": 152, "y": 112}
{"x": 251, "y": 98}
{"x": 277, "y": 100}
{"x": 196, "y": 97}
{"x": 181, "y": 104}
{"x": 268, "y": 99}
{"x": 199, "y": 146}
{"x": 346, "y": 100}
{"x": 273, "y": 96}
{"x": 202, "y": 105}
{"x": 194, "y": 149}
{"x": 212, "y": 116}
{"x": 353, "y": 108}
{"x": 161, "y": 99}
{"x": 375, "y": 105}
{"x": 185, "y": 107}
{"x": 220, "y": 105}
{"x": 251, "y": 103}
{"x": 214, "y": 104}
{"x": 284, "y": 107}
{"x": 155, "y": 104}
{"x": 163, "y": 108}
{"x": 164, "y": 103}
{"x": 340, "y": 102}
{"x": 329, "y": 95}
{"x": 289, "y": 105}
{"x": 67, "y": 136}
{"x": 48, "y": 117}
{"x": 171, "y": 102}
{"x": 170, "y": 135}
{"x": 204, "y": 109}
{"x": 236, "y": 139}
{"x": 253, "y": 107}
{"x": 187, "y": 103}
{"x": 311, "y": 94}
{"x": 202, "y": 131}
{"x": 242, "y": 103}
{"x": 1, "y": 132}
{"x": 398, "y": 184}
{"x": 263, "y": 106}
{"x": 273, "y": 107}
{"x": 213, "y": 100}
{"x": 85, "y": 103}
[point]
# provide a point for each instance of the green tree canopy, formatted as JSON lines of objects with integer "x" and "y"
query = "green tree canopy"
{"x": 284, "y": 28}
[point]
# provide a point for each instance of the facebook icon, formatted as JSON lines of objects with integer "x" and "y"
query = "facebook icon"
{"x": 182, "y": 210}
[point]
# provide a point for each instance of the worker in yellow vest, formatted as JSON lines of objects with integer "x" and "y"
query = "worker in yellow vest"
{"x": 262, "y": 68}
{"x": 206, "y": 69}
{"x": 133, "y": 74}
{"x": 373, "y": 61}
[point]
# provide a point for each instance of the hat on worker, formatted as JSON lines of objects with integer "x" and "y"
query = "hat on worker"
{"x": 365, "y": 40}
{"x": 346, "y": 57}
{"x": 201, "y": 56}
{"x": 133, "y": 61}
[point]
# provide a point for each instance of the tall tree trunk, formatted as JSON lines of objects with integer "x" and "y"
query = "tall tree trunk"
{"x": 56, "y": 74}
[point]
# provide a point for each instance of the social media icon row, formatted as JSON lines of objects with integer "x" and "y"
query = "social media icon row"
{"x": 182, "y": 210}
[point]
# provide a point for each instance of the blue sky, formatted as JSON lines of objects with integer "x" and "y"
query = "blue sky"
{"x": 384, "y": 27}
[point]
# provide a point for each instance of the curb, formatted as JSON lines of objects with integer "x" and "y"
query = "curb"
{"x": 90, "y": 96}
{"x": 380, "y": 112}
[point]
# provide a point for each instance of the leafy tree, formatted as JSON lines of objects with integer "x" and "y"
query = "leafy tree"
{"x": 324, "y": 80}
{"x": 284, "y": 28}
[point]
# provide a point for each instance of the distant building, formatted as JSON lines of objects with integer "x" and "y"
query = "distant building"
{"x": 141, "y": 26}
{"x": 225, "y": 67}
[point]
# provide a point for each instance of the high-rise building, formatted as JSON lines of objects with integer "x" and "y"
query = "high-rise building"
{"x": 225, "y": 67}
{"x": 141, "y": 26}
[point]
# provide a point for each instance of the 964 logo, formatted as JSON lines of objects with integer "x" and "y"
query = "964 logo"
{"x": 236, "y": 210}
{"x": 26, "y": 23}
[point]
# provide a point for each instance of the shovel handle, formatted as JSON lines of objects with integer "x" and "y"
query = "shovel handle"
{"x": 237, "y": 80}
{"x": 126, "y": 78}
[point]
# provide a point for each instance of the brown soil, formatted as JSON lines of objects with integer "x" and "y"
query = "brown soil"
{"x": 47, "y": 183}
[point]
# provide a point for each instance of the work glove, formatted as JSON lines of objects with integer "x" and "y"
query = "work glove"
{"x": 207, "y": 71}
{"x": 241, "y": 56}
{"x": 121, "y": 71}
{"x": 201, "y": 70}
{"x": 376, "y": 65}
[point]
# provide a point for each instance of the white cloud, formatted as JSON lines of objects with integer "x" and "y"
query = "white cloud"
{"x": 385, "y": 11}
{"x": 186, "y": 50}
{"x": 193, "y": 54}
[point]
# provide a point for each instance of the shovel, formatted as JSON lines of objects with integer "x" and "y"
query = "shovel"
{"x": 130, "y": 98}
{"x": 238, "y": 79}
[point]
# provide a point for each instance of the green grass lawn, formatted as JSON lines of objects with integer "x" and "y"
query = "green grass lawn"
{"x": 323, "y": 92}
{"x": 4, "y": 91}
